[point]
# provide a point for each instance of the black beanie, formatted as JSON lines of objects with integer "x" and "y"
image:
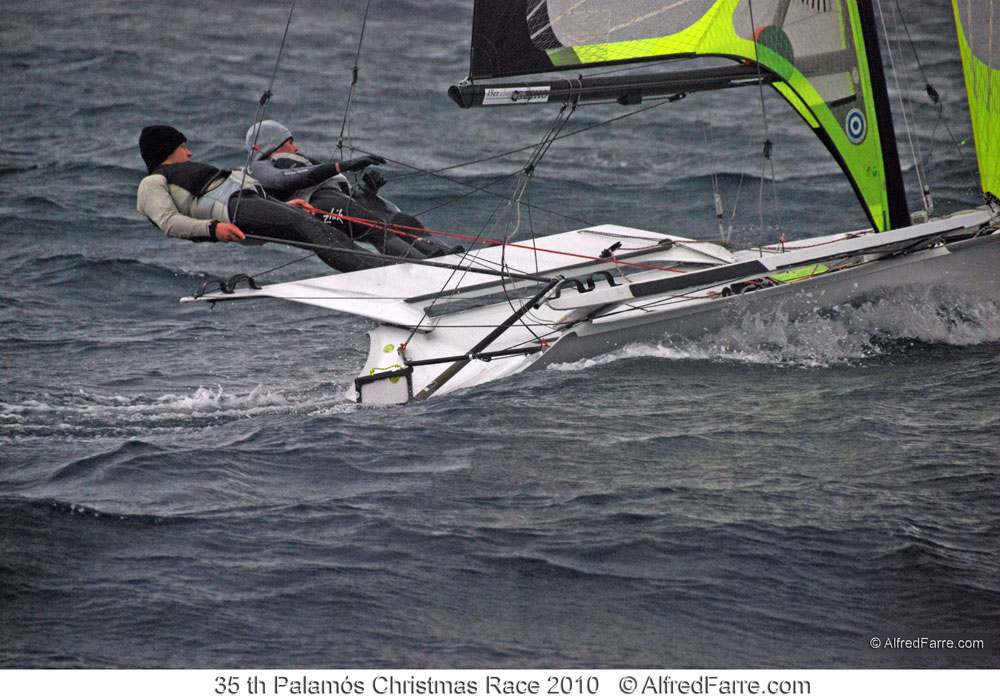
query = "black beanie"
{"x": 157, "y": 142}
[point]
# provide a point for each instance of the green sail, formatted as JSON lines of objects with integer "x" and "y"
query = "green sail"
{"x": 979, "y": 41}
{"x": 817, "y": 50}
{"x": 817, "y": 47}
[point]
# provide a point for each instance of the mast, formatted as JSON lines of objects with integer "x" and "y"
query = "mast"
{"x": 898, "y": 212}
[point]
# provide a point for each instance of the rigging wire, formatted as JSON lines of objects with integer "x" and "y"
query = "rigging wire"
{"x": 560, "y": 121}
{"x": 767, "y": 137}
{"x": 262, "y": 108}
{"x": 736, "y": 204}
{"x": 421, "y": 171}
{"x": 474, "y": 189}
{"x": 931, "y": 92}
{"x": 908, "y": 116}
{"x": 716, "y": 194}
{"x": 296, "y": 261}
{"x": 354, "y": 81}
{"x": 514, "y": 201}
{"x": 512, "y": 205}
{"x": 541, "y": 148}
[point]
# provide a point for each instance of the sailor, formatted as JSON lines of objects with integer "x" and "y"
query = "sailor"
{"x": 199, "y": 202}
{"x": 285, "y": 173}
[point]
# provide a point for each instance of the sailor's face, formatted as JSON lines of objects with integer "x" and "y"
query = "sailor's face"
{"x": 181, "y": 154}
{"x": 287, "y": 147}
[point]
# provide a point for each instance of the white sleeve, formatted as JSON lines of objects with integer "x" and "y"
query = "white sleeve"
{"x": 156, "y": 204}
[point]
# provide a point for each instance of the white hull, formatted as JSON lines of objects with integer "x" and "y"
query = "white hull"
{"x": 670, "y": 287}
{"x": 969, "y": 266}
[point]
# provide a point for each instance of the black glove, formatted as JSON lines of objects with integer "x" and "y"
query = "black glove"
{"x": 373, "y": 180}
{"x": 360, "y": 163}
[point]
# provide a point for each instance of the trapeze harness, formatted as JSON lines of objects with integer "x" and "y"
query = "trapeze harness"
{"x": 211, "y": 186}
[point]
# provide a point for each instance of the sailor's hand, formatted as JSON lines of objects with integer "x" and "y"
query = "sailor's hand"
{"x": 228, "y": 232}
{"x": 360, "y": 163}
{"x": 300, "y": 203}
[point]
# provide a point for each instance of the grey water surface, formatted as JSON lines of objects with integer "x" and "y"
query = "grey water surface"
{"x": 188, "y": 488}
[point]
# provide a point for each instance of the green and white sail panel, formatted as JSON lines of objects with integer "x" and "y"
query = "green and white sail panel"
{"x": 978, "y": 23}
{"x": 821, "y": 55}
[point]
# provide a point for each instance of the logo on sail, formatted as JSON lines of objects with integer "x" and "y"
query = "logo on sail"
{"x": 856, "y": 126}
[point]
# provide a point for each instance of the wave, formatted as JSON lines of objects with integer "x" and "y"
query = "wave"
{"x": 59, "y": 270}
{"x": 89, "y": 414}
{"x": 848, "y": 334}
{"x": 36, "y": 507}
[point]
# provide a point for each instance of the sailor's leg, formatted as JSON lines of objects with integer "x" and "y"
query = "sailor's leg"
{"x": 271, "y": 219}
{"x": 336, "y": 202}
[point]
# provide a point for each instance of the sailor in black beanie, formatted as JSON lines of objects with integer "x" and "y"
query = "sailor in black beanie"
{"x": 157, "y": 142}
{"x": 200, "y": 202}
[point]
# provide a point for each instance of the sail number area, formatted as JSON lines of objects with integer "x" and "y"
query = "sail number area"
{"x": 515, "y": 95}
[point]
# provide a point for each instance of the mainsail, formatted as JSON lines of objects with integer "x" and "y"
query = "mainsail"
{"x": 822, "y": 56}
{"x": 978, "y": 23}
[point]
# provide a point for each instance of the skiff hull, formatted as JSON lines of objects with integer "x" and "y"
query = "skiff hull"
{"x": 964, "y": 267}
{"x": 968, "y": 268}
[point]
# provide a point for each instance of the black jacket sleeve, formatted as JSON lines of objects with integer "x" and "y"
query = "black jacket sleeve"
{"x": 285, "y": 183}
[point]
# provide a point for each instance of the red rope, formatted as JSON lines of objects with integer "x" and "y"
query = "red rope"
{"x": 395, "y": 229}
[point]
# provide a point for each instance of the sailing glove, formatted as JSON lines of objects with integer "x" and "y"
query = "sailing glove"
{"x": 360, "y": 163}
{"x": 373, "y": 180}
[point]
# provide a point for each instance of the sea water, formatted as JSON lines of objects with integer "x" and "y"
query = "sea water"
{"x": 186, "y": 487}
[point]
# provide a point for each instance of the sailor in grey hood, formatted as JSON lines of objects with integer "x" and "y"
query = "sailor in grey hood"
{"x": 285, "y": 173}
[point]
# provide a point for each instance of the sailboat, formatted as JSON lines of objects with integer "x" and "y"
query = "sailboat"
{"x": 465, "y": 319}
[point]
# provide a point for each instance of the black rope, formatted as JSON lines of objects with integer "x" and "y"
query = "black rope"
{"x": 227, "y": 286}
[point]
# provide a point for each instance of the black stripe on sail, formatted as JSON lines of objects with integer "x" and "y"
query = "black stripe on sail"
{"x": 899, "y": 212}
{"x": 501, "y": 40}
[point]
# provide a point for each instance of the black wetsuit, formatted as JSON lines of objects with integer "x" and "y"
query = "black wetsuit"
{"x": 295, "y": 175}
{"x": 256, "y": 214}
